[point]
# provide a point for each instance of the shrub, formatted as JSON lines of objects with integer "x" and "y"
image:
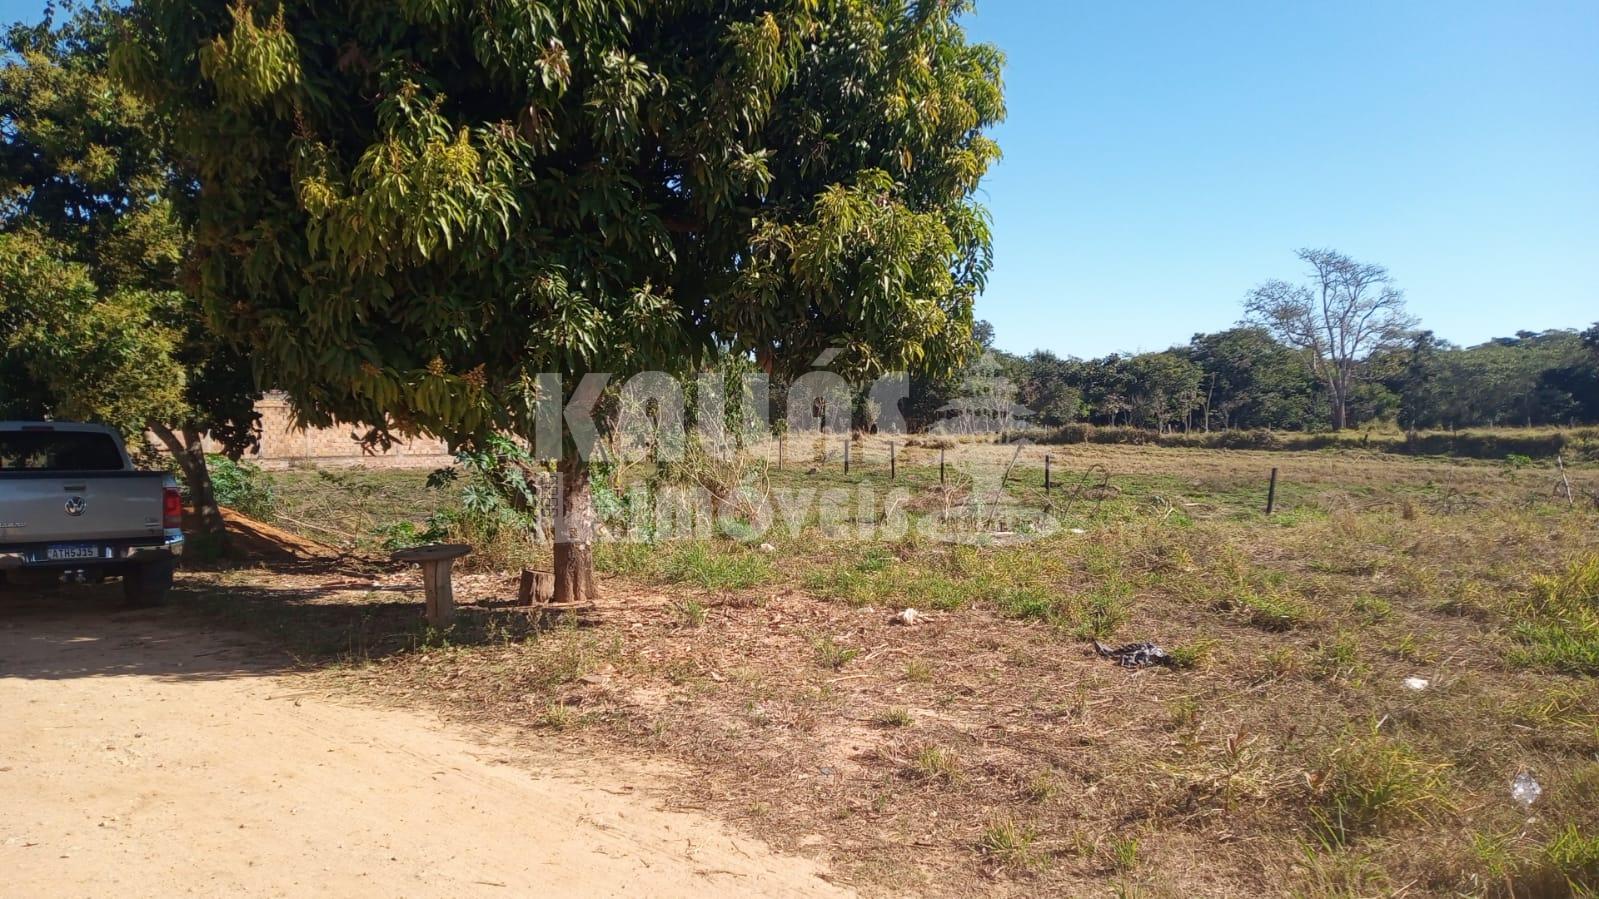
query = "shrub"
{"x": 1578, "y": 443}
{"x": 406, "y": 534}
{"x": 242, "y": 486}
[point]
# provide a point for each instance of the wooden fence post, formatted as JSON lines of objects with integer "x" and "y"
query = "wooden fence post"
{"x": 1046, "y": 472}
{"x": 940, "y": 466}
{"x": 846, "y": 455}
{"x": 893, "y": 462}
{"x": 1271, "y": 493}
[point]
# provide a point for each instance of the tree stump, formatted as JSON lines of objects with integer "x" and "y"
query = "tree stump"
{"x": 537, "y": 587}
{"x": 436, "y": 560}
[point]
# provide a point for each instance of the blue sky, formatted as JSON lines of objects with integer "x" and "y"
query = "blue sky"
{"x": 1163, "y": 157}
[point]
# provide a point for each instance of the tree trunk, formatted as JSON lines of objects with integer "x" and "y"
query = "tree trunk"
{"x": 1338, "y": 403}
{"x": 189, "y": 452}
{"x": 574, "y": 533}
{"x": 1210, "y": 395}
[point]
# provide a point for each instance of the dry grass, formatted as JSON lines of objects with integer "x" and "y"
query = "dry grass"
{"x": 989, "y": 749}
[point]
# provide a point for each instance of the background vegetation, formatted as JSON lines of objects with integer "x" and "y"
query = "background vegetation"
{"x": 1244, "y": 378}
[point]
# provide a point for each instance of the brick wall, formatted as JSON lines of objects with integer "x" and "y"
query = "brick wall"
{"x": 283, "y": 445}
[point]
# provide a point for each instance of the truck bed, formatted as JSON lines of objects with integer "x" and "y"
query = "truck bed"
{"x": 40, "y": 507}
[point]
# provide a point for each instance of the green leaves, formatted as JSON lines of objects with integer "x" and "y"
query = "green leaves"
{"x": 398, "y": 196}
{"x": 253, "y": 62}
{"x": 93, "y": 239}
{"x": 621, "y": 82}
{"x": 97, "y": 357}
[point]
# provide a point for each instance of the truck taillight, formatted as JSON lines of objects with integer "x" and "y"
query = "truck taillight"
{"x": 171, "y": 508}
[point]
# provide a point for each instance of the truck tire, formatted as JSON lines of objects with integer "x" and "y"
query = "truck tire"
{"x": 147, "y": 584}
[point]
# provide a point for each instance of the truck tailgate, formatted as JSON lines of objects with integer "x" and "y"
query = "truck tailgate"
{"x": 64, "y": 507}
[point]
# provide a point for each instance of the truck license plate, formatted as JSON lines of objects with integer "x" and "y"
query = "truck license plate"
{"x": 72, "y": 551}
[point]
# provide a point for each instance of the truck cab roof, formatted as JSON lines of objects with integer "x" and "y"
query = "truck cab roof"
{"x": 76, "y": 427}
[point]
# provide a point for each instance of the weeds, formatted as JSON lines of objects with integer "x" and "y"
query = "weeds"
{"x": 1267, "y": 611}
{"x": 1192, "y": 655}
{"x": 557, "y": 716}
{"x": 1372, "y": 783}
{"x": 1012, "y": 845}
{"x": 690, "y": 612}
{"x": 1572, "y": 858}
{"x": 1373, "y": 608}
{"x": 1338, "y": 659}
{"x": 1102, "y": 612}
{"x": 1124, "y": 853}
{"x": 894, "y": 716}
{"x": 1041, "y": 787}
{"x": 938, "y": 763}
{"x": 713, "y": 567}
{"x": 1183, "y": 713}
{"x": 1560, "y": 626}
{"x": 831, "y": 655}
{"x": 1281, "y": 662}
{"x": 1028, "y": 603}
{"x": 1295, "y": 625}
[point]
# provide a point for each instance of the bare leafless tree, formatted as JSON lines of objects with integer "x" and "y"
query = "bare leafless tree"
{"x": 1346, "y": 312}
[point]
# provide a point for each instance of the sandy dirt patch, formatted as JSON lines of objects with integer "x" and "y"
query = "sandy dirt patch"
{"x": 142, "y": 756}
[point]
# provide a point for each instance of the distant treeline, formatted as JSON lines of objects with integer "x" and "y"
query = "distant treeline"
{"x": 1536, "y": 443}
{"x": 1245, "y": 379}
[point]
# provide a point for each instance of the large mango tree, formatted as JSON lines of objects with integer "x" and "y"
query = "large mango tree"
{"x": 409, "y": 209}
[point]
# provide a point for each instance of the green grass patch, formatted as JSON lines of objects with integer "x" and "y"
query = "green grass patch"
{"x": 710, "y": 565}
{"x": 832, "y": 655}
{"x": 1559, "y": 624}
{"x": 1268, "y": 611}
{"x": 715, "y": 567}
{"x": 1012, "y": 845}
{"x": 1371, "y": 783}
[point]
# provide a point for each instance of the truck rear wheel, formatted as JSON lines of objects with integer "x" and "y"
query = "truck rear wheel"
{"x": 147, "y": 584}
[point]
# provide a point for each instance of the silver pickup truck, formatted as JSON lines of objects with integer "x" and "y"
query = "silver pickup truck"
{"x": 73, "y": 508}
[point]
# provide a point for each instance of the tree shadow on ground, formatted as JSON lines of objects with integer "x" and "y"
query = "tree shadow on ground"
{"x": 276, "y": 618}
{"x": 89, "y": 631}
{"x": 321, "y": 616}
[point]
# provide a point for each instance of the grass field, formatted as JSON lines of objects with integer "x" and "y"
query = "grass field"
{"x": 989, "y": 747}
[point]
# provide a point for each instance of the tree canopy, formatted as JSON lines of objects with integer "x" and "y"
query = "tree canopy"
{"x": 1244, "y": 377}
{"x": 1347, "y": 311}
{"x": 411, "y": 208}
{"x": 93, "y": 324}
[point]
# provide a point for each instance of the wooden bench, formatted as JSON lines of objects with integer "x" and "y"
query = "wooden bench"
{"x": 436, "y": 560}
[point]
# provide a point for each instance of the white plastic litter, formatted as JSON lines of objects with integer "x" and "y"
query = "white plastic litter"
{"x": 1077, "y": 530}
{"x": 1416, "y": 683}
{"x": 1525, "y": 789}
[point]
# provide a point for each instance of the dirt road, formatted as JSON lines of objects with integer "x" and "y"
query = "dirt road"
{"x": 140, "y": 756}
